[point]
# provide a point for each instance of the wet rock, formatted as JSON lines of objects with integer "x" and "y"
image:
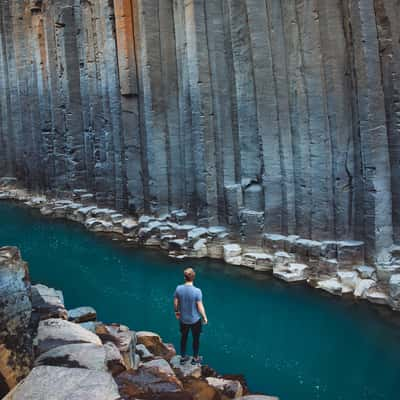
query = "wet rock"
{"x": 228, "y": 388}
{"x": 186, "y": 370}
{"x": 79, "y": 355}
{"x": 122, "y": 337}
{"x": 82, "y": 314}
{"x": 292, "y": 273}
{"x": 59, "y": 383}
{"x": 155, "y": 345}
{"x": 16, "y": 348}
{"x": 53, "y": 333}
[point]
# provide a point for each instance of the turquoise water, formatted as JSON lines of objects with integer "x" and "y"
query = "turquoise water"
{"x": 293, "y": 342}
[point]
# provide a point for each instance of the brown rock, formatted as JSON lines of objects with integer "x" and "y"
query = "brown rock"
{"x": 155, "y": 345}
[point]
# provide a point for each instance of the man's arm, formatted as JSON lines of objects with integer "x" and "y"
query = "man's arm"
{"x": 176, "y": 308}
{"x": 202, "y": 311}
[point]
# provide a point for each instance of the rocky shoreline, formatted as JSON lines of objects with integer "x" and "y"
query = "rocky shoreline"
{"x": 62, "y": 354}
{"x": 337, "y": 267}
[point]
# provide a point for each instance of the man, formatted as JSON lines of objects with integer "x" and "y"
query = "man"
{"x": 189, "y": 310}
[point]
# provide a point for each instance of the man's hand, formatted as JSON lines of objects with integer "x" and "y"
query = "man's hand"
{"x": 205, "y": 321}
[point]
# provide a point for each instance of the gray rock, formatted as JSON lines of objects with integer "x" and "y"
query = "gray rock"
{"x": 79, "y": 355}
{"x": 186, "y": 370}
{"x": 58, "y": 383}
{"x": 16, "y": 348}
{"x": 57, "y": 332}
{"x": 82, "y": 314}
{"x": 229, "y": 388}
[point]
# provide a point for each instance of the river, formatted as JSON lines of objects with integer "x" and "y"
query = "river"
{"x": 290, "y": 341}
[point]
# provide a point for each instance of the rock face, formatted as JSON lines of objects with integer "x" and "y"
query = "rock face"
{"x": 16, "y": 350}
{"x": 274, "y": 116}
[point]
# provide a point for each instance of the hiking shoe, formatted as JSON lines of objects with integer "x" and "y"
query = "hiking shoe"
{"x": 183, "y": 360}
{"x": 196, "y": 361}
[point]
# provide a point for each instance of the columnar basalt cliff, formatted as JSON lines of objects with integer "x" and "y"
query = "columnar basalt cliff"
{"x": 278, "y": 116}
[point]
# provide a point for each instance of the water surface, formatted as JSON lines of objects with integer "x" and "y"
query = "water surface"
{"x": 290, "y": 341}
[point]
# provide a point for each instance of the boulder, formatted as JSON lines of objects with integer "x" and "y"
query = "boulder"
{"x": 199, "y": 389}
{"x": 350, "y": 252}
{"x": 292, "y": 273}
{"x": 328, "y": 265}
{"x": 161, "y": 365}
{"x": 394, "y": 287}
{"x": 366, "y": 272}
{"x": 199, "y": 249}
{"x": 362, "y": 286}
{"x": 48, "y": 303}
{"x": 232, "y": 250}
{"x": 155, "y": 345}
{"x": 228, "y": 388}
{"x": 186, "y": 370}
{"x": 59, "y": 383}
{"x": 385, "y": 271}
{"x": 82, "y": 314}
{"x": 58, "y": 332}
{"x": 273, "y": 242}
{"x": 258, "y": 261}
{"x": 197, "y": 233}
{"x": 144, "y": 353}
{"x": 122, "y": 337}
{"x": 282, "y": 259}
{"x": 16, "y": 347}
{"x": 332, "y": 286}
{"x": 79, "y": 355}
{"x": 147, "y": 382}
{"x": 377, "y": 296}
{"x": 348, "y": 278}
{"x": 114, "y": 360}
{"x": 215, "y": 249}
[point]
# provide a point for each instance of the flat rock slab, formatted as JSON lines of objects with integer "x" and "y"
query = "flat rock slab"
{"x": 82, "y": 314}
{"x": 80, "y": 355}
{"x": 186, "y": 370}
{"x": 57, "y": 332}
{"x": 58, "y": 383}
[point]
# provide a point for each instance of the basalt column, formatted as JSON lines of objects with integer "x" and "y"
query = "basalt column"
{"x": 278, "y": 116}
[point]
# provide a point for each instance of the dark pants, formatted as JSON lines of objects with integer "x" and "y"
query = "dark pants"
{"x": 196, "y": 330}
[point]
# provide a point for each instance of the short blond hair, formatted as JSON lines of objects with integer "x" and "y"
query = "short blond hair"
{"x": 189, "y": 274}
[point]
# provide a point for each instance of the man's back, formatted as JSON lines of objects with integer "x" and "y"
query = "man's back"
{"x": 188, "y": 296}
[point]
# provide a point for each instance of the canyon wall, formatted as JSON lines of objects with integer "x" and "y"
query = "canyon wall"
{"x": 279, "y": 116}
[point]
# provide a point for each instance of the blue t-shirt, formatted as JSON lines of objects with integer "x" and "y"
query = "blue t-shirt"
{"x": 188, "y": 296}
